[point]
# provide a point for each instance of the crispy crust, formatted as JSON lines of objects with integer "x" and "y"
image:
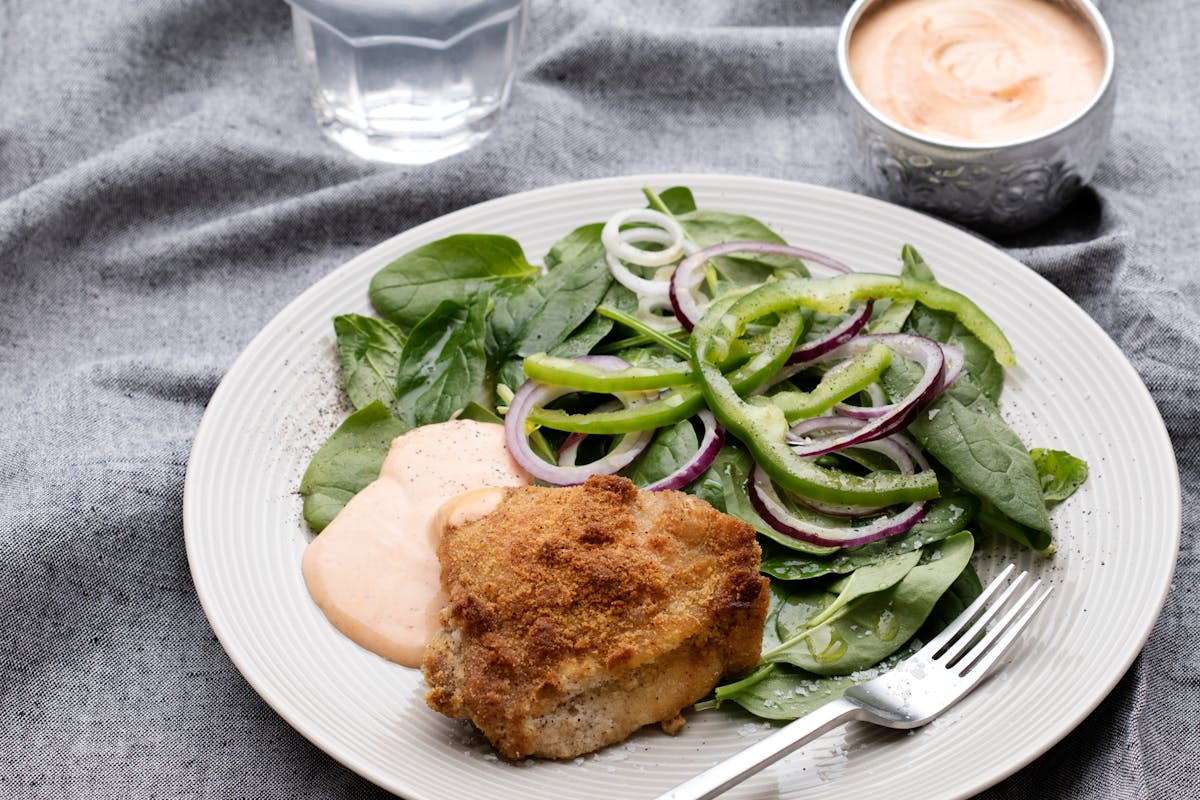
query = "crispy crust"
{"x": 578, "y": 615}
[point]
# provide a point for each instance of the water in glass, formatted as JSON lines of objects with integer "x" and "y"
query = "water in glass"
{"x": 408, "y": 81}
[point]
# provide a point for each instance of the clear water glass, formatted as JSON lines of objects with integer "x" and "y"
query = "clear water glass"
{"x": 408, "y": 81}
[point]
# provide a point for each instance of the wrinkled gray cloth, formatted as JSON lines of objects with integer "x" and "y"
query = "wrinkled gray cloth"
{"x": 164, "y": 192}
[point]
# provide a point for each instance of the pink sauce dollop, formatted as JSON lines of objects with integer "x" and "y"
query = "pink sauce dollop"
{"x": 374, "y": 570}
{"x": 979, "y": 71}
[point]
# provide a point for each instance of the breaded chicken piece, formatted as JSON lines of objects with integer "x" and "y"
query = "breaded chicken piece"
{"x": 578, "y": 615}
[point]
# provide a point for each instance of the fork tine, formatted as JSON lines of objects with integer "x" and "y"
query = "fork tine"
{"x": 935, "y": 645}
{"x": 977, "y": 629}
{"x": 984, "y": 657}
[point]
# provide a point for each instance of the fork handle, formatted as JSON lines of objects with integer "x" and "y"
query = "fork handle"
{"x": 764, "y": 753}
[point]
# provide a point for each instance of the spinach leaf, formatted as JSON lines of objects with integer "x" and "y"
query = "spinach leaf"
{"x": 460, "y": 268}
{"x": 584, "y": 339}
{"x": 873, "y": 626}
{"x": 962, "y": 593}
{"x": 990, "y": 519}
{"x": 583, "y": 243}
{"x": 672, "y": 448}
{"x": 1061, "y": 473}
{"x": 707, "y": 228}
{"x": 542, "y": 314}
{"x": 444, "y": 365}
{"x": 676, "y": 200}
{"x": 777, "y": 595}
{"x": 913, "y": 265}
{"x": 783, "y": 692}
{"x": 964, "y": 431}
{"x": 370, "y": 350}
{"x": 949, "y": 514}
{"x": 722, "y": 483}
{"x": 883, "y": 574}
{"x": 349, "y": 460}
{"x": 478, "y": 413}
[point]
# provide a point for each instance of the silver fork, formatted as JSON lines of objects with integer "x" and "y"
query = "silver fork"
{"x": 917, "y": 691}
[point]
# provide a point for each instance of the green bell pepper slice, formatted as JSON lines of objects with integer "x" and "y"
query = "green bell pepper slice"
{"x": 834, "y": 296}
{"x": 835, "y": 386}
{"x": 768, "y": 354}
{"x": 573, "y": 374}
{"x": 762, "y": 426}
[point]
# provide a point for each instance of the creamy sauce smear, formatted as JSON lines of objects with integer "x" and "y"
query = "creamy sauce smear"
{"x": 374, "y": 570}
{"x": 976, "y": 70}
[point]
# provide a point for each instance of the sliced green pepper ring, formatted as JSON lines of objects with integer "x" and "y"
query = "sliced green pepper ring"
{"x": 762, "y": 426}
{"x": 573, "y": 374}
{"x": 672, "y": 407}
{"x": 767, "y": 355}
{"x": 834, "y": 296}
{"x": 849, "y": 378}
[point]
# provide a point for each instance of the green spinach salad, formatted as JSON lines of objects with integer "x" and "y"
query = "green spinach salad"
{"x": 851, "y": 417}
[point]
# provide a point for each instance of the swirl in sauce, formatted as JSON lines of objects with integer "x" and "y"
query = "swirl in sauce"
{"x": 975, "y": 70}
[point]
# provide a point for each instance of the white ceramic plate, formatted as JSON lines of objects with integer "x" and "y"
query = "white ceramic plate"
{"x": 1073, "y": 389}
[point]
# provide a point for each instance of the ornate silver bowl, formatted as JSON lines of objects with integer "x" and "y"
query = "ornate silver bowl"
{"x": 991, "y": 187}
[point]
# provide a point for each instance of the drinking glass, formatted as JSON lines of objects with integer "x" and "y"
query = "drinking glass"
{"x": 408, "y": 81}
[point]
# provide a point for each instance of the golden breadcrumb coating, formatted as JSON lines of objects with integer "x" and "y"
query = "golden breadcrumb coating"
{"x": 578, "y": 615}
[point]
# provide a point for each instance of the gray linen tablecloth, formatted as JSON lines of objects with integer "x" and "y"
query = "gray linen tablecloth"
{"x": 164, "y": 192}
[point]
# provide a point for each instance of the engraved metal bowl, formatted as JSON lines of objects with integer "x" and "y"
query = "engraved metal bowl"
{"x": 991, "y": 187}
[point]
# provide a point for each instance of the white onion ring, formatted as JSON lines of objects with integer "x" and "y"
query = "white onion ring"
{"x": 647, "y": 306}
{"x": 616, "y": 242}
{"x": 619, "y": 249}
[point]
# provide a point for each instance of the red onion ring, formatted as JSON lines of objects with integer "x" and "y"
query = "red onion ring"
{"x": 768, "y": 505}
{"x": 706, "y": 453}
{"x": 687, "y": 276}
{"x": 846, "y": 330}
{"x": 927, "y": 352}
{"x": 711, "y": 444}
{"x": 533, "y": 394}
{"x": 954, "y": 364}
{"x": 881, "y": 407}
{"x": 898, "y": 448}
{"x": 878, "y": 407}
{"x": 570, "y": 449}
